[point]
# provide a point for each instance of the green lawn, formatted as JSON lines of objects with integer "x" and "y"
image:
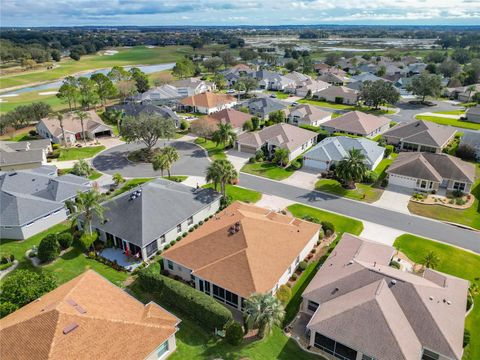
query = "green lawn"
{"x": 193, "y": 342}
{"x": 26, "y": 98}
{"x": 453, "y": 261}
{"x": 93, "y": 176}
{"x": 469, "y": 217}
{"x": 130, "y": 184}
{"x": 384, "y": 164}
{"x": 451, "y": 122}
{"x": 327, "y": 104}
{"x": 363, "y": 192}
{"x": 280, "y": 95}
{"x": 342, "y": 223}
{"x": 176, "y": 178}
{"x": 214, "y": 151}
{"x": 241, "y": 194}
{"x": 75, "y": 153}
{"x": 268, "y": 170}
{"x": 450, "y": 112}
{"x": 65, "y": 268}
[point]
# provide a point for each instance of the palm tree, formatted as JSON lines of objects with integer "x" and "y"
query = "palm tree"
{"x": 431, "y": 260}
{"x": 281, "y": 156}
{"x": 473, "y": 290}
{"x": 81, "y": 168}
{"x": 82, "y": 115}
{"x": 60, "y": 120}
{"x": 171, "y": 155}
{"x": 159, "y": 162}
{"x": 88, "y": 205}
{"x": 224, "y": 135}
{"x": 263, "y": 311}
{"x": 351, "y": 168}
{"x": 470, "y": 89}
{"x": 115, "y": 116}
{"x": 221, "y": 172}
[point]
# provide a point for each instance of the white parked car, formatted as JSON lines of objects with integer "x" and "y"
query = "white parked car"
{"x": 230, "y": 91}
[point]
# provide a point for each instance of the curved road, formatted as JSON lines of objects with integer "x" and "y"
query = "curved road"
{"x": 432, "y": 229}
{"x": 193, "y": 160}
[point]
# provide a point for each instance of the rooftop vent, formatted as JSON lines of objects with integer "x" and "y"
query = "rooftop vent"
{"x": 69, "y": 328}
{"x": 350, "y": 262}
{"x": 449, "y": 302}
{"x": 393, "y": 282}
{"x": 430, "y": 298}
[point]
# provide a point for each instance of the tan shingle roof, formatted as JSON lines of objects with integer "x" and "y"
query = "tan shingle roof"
{"x": 72, "y": 124}
{"x": 234, "y": 117}
{"x": 252, "y": 259}
{"x": 357, "y": 122}
{"x": 310, "y": 112}
{"x": 283, "y": 135}
{"x": 208, "y": 100}
{"x": 357, "y": 290}
{"x": 111, "y": 324}
{"x": 422, "y": 132}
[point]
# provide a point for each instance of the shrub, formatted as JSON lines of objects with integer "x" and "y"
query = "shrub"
{"x": 466, "y": 337}
{"x": 259, "y": 155}
{"x": 195, "y": 226}
{"x": 469, "y": 302}
{"x": 293, "y": 277}
{"x": 7, "y": 308}
{"x": 370, "y": 177}
{"x": 200, "y": 222}
{"x": 32, "y": 133}
{"x": 12, "y": 258}
{"x": 172, "y": 243}
{"x": 234, "y": 333}
{"x": 252, "y": 160}
{"x": 296, "y": 165}
{"x": 55, "y": 146}
{"x": 394, "y": 264}
{"x": 184, "y": 234}
{"x": 199, "y": 306}
{"x": 49, "y": 248}
{"x": 460, "y": 201}
{"x": 248, "y": 125}
{"x": 82, "y": 168}
{"x": 388, "y": 150}
{"x": 87, "y": 240}
{"x": 184, "y": 125}
{"x": 302, "y": 265}
{"x": 284, "y": 293}
{"x": 65, "y": 240}
{"x": 321, "y": 234}
{"x": 457, "y": 193}
{"x": 92, "y": 255}
{"x": 384, "y": 182}
{"x": 178, "y": 238}
{"x": 166, "y": 247}
{"x": 191, "y": 229}
{"x": 3, "y": 260}
{"x": 328, "y": 227}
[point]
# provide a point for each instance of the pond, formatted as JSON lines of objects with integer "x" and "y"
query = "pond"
{"x": 147, "y": 69}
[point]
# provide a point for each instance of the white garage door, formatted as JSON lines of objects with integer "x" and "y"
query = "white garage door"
{"x": 315, "y": 164}
{"x": 402, "y": 181}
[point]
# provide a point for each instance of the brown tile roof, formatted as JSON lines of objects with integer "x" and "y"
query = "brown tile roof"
{"x": 208, "y": 100}
{"x": 234, "y": 117}
{"x": 422, "y": 132}
{"x": 431, "y": 166}
{"x": 283, "y": 135}
{"x": 357, "y": 290}
{"x": 250, "y": 260}
{"x": 72, "y": 124}
{"x": 110, "y": 324}
{"x": 357, "y": 122}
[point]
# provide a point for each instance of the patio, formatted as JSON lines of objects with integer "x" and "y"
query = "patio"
{"x": 297, "y": 331}
{"x": 115, "y": 254}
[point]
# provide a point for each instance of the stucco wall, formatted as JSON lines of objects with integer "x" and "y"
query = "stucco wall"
{"x": 34, "y": 228}
{"x": 172, "y": 346}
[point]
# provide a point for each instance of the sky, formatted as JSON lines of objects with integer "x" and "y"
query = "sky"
{"x": 32, "y": 13}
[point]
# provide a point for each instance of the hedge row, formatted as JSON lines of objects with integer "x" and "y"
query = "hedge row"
{"x": 203, "y": 308}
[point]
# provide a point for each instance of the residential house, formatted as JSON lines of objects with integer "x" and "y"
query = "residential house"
{"x": 230, "y": 116}
{"x": 357, "y": 81}
{"x": 160, "y": 95}
{"x": 311, "y": 86}
{"x": 415, "y": 68}
{"x": 331, "y": 150}
{"x": 207, "y": 103}
{"x": 473, "y": 114}
{"x": 49, "y": 128}
{"x": 425, "y": 171}
{"x": 298, "y": 79}
{"x": 296, "y": 140}
{"x": 358, "y": 307}
{"x": 337, "y": 94}
{"x": 243, "y": 250}
{"x": 472, "y": 139}
{"x": 21, "y": 155}
{"x": 192, "y": 86}
{"x": 88, "y": 318}
{"x": 462, "y": 93}
{"x": 146, "y": 218}
{"x": 357, "y": 123}
{"x": 262, "y": 107}
{"x": 420, "y": 135}
{"x": 333, "y": 79}
{"x": 305, "y": 114}
{"x": 234, "y": 73}
{"x": 34, "y": 200}
{"x": 135, "y": 109}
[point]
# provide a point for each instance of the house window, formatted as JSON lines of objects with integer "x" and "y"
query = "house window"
{"x": 312, "y": 306}
{"x": 170, "y": 264}
{"x": 334, "y": 348}
{"x": 297, "y": 260}
{"x": 289, "y": 269}
{"x": 179, "y": 228}
{"x": 459, "y": 186}
{"x": 162, "y": 239}
{"x": 190, "y": 220}
{"x": 429, "y": 355}
{"x": 366, "y": 357}
{"x": 207, "y": 287}
{"x": 151, "y": 248}
{"x": 162, "y": 350}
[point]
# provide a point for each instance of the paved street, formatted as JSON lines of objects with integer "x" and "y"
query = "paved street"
{"x": 412, "y": 224}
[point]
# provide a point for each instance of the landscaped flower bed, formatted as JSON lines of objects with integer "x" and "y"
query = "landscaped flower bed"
{"x": 459, "y": 202}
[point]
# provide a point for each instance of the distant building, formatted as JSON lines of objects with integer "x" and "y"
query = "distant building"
{"x": 24, "y": 154}
{"x": 473, "y": 114}
{"x": 337, "y": 94}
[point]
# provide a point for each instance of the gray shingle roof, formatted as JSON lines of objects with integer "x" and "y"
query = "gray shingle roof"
{"x": 336, "y": 148}
{"x": 161, "y": 207}
{"x": 27, "y": 195}
{"x": 422, "y": 132}
{"x": 357, "y": 290}
{"x": 265, "y": 106}
{"x": 135, "y": 109}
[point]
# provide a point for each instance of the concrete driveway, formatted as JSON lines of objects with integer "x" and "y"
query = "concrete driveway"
{"x": 237, "y": 158}
{"x": 395, "y": 198}
{"x": 304, "y": 179}
{"x": 193, "y": 160}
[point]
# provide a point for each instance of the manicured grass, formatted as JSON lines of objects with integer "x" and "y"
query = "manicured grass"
{"x": 26, "y": 98}
{"x": 193, "y": 342}
{"x": 326, "y": 104}
{"x": 268, "y": 170}
{"x": 342, "y": 223}
{"x": 363, "y": 192}
{"x": 93, "y": 176}
{"x": 75, "y": 153}
{"x": 450, "y": 112}
{"x": 176, "y": 178}
{"x": 65, "y": 268}
{"x": 453, "y": 261}
{"x": 383, "y": 166}
{"x": 239, "y": 193}
{"x": 469, "y": 217}
{"x": 24, "y": 137}
{"x": 214, "y": 151}
{"x": 451, "y": 122}
{"x": 279, "y": 94}
{"x": 130, "y": 184}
